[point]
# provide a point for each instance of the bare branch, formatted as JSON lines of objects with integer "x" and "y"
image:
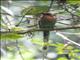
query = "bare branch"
{"x": 23, "y": 17}
{"x": 50, "y": 5}
{"x": 65, "y": 38}
{"x": 69, "y": 33}
{"x": 33, "y": 30}
{"x": 19, "y": 49}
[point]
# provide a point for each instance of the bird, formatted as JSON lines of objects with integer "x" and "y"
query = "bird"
{"x": 62, "y": 1}
{"x": 47, "y": 22}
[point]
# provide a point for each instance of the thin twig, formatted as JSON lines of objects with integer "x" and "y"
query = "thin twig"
{"x": 50, "y": 5}
{"x": 19, "y": 50}
{"x": 8, "y": 20}
{"x": 66, "y": 45}
{"x": 23, "y": 17}
{"x": 6, "y": 45}
{"x": 66, "y": 9}
{"x": 63, "y": 23}
{"x": 69, "y": 33}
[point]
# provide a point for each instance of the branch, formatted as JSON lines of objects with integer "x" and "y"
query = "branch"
{"x": 50, "y": 5}
{"x": 33, "y": 30}
{"x": 63, "y": 23}
{"x": 69, "y": 33}
{"x": 5, "y": 14}
{"x": 66, "y": 9}
{"x": 19, "y": 49}
{"x": 65, "y": 38}
{"x": 66, "y": 45}
{"x": 23, "y": 17}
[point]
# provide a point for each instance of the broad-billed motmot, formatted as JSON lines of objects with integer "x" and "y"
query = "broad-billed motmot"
{"x": 47, "y": 22}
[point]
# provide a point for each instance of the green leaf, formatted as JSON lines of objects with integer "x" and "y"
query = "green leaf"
{"x": 37, "y": 41}
{"x": 62, "y": 58}
{"x": 17, "y": 29}
{"x": 10, "y": 36}
{"x": 69, "y": 47}
{"x": 73, "y": 1}
{"x": 35, "y": 10}
{"x": 78, "y": 13}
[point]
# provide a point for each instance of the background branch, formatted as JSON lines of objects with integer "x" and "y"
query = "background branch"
{"x": 66, "y": 9}
{"x": 50, "y": 5}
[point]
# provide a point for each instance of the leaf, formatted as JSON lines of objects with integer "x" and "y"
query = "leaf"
{"x": 69, "y": 47}
{"x": 35, "y": 10}
{"x": 77, "y": 50}
{"x": 73, "y": 1}
{"x": 3, "y": 26}
{"x": 17, "y": 29}
{"x": 37, "y": 41}
{"x": 62, "y": 58}
{"x": 78, "y": 13}
{"x": 10, "y": 36}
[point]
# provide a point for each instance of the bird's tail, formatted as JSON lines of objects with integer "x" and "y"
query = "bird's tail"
{"x": 46, "y": 38}
{"x": 45, "y": 46}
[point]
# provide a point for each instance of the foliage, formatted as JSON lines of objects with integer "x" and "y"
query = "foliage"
{"x": 71, "y": 50}
{"x": 62, "y": 58}
{"x": 10, "y": 36}
{"x": 73, "y": 1}
{"x": 78, "y": 13}
{"x": 35, "y": 10}
{"x": 17, "y": 29}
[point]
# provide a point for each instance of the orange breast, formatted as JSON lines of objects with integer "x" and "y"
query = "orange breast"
{"x": 50, "y": 18}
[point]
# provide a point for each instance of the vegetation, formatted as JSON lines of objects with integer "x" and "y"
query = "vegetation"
{"x": 22, "y": 39}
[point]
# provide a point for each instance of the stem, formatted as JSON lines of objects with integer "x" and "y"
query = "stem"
{"x": 63, "y": 23}
{"x": 6, "y": 46}
{"x": 50, "y": 5}
{"x": 23, "y": 17}
{"x": 19, "y": 49}
{"x": 44, "y": 54}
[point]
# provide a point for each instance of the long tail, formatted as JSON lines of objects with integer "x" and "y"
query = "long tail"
{"x": 46, "y": 39}
{"x": 45, "y": 46}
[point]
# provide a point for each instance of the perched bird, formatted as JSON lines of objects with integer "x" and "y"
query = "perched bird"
{"x": 47, "y": 22}
{"x": 62, "y": 1}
